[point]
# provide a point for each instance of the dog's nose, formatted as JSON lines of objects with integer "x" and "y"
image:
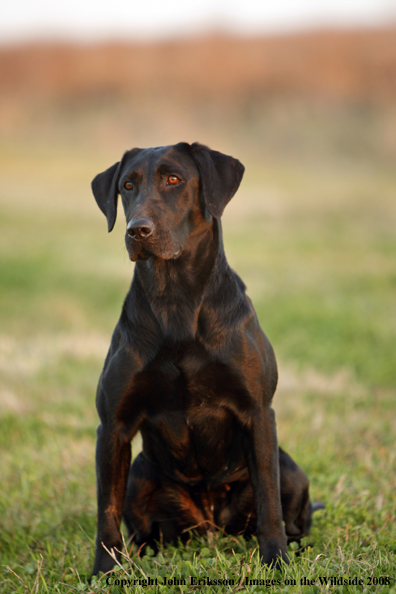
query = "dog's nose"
{"x": 140, "y": 228}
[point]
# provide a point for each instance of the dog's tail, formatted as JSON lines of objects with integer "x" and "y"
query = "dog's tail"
{"x": 316, "y": 505}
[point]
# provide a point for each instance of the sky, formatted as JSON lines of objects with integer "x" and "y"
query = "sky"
{"x": 136, "y": 19}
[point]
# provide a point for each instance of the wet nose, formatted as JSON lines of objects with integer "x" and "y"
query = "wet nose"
{"x": 140, "y": 228}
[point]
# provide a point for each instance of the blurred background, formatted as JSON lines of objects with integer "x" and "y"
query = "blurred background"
{"x": 305, "y": 96}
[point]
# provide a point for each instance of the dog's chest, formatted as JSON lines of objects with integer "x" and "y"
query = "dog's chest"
{"x": 191, "y": 424}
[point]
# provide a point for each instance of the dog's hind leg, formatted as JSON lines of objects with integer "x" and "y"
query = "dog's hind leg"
{"x": 139, "y": 506}
{"x": 159, "y": 510}
{"x": 296, "y": 506}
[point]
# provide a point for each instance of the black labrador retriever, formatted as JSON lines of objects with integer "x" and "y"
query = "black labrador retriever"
{"x": 190, "y": 368}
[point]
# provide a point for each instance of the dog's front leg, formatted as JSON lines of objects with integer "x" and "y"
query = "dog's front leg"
{"x": 113, "y": 458}
{"x": 262, "y": 458}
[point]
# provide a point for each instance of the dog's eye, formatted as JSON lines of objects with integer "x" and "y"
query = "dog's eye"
{"x": 128, "y": 185}
{"x": 173, "y": 180}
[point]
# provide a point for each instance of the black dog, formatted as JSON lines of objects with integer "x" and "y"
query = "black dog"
{"x": 189, "y": 367}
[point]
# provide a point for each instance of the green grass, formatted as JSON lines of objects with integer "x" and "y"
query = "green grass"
{"x": 316, "y": 248}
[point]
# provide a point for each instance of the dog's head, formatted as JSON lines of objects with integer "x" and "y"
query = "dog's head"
{"x": 167, "y": 193}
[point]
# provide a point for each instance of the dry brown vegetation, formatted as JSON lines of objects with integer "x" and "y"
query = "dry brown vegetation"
{"x": 342, "y": 65}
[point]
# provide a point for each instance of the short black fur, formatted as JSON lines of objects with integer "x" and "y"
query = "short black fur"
{"x": 189, "y": 367}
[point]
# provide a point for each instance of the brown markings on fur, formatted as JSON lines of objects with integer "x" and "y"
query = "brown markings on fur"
{"x": 193, "y": 515}
{"x": 111, "y": 510}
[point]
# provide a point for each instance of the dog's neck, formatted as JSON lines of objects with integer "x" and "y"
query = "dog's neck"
{"x": 175, "y": 289}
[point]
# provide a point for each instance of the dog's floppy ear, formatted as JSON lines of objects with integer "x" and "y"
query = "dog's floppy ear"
{"x": 105, "y": 189}
{"x": 220, "y": 176}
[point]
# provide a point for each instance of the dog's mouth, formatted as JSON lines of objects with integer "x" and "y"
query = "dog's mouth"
{"x": 137, "y": 251}
{"x": 143, "y": 255}
{"x": 140, "y": 252}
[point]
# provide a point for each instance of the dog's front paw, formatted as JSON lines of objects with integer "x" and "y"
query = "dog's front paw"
{"x": 274, "y": 552}
{"x": 104, "y": 561}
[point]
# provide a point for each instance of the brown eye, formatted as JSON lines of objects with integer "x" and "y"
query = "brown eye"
{"x": 173, "y": 180}
{"x": 128, "y": 185}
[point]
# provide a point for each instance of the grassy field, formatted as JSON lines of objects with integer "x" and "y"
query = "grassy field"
{"x": 315, "y": 243}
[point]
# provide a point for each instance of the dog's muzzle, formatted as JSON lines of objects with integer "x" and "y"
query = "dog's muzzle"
{"x": 145, "y": 239}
